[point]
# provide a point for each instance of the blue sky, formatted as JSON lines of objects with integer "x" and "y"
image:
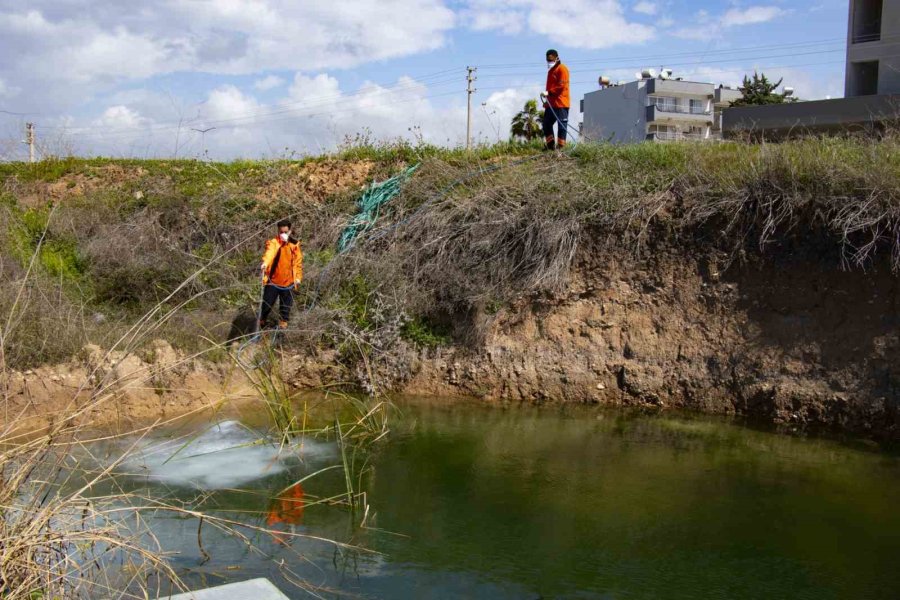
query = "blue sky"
{"x": 282, "y": 77}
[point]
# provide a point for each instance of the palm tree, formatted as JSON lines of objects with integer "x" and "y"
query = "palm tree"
{"x": 527, "y": 122}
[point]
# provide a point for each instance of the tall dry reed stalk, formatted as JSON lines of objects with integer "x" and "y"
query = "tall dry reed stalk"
{"x": 58, "y": 538}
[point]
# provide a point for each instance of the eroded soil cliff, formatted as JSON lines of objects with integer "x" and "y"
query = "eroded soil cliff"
{"x": 788, "y": 341}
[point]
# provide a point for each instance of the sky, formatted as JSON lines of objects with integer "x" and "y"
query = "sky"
{"x": 230, "y": 79}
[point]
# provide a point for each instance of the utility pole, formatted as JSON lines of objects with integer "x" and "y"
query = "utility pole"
{"x": 29, "y": 139}
{"x": 470, "y": 79}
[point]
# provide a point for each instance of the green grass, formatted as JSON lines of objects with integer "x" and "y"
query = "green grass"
{"x": 424, "y": 334}
{"x": 499, "y": 230}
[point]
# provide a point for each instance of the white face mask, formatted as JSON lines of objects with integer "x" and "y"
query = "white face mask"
{"x": 550, "y": 64}
{"x": 284, "y": 236}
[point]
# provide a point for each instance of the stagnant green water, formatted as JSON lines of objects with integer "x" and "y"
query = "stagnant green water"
{"x": 475, "y": 502}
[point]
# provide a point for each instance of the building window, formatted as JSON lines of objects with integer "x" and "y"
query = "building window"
{"x": 698, "y": 107}
{"x": 866, "y": 21}
{"x": 662, "y": 132}
{"x": 665, "y": 104}
{"x": 864, "y": 78}
{"x": 696, "y": 133}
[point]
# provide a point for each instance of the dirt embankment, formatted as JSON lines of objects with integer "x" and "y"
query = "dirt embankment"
{"x": 111, "y": 389}
{"x": 794, "y": 341}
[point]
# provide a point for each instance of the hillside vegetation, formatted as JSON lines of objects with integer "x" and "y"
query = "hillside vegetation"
{"x": 90, "y": 245}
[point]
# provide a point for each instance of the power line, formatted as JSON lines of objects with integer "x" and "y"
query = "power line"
{"x": 318, "y": 101}
{"x": 293, "y": 113}
{"x": 585, "y": 81}
{"x": 675, "y": 64}
{"x": 17, "y": 114}
{"x": 144, "y": 131}
{"x": 653, "y": 57}
{"x": 470, "y": 80}
{"x": 324, "y": 101}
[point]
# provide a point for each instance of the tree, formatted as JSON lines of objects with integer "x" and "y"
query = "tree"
{"x": 527, "y": 122}
{"x": 759, "y": 91}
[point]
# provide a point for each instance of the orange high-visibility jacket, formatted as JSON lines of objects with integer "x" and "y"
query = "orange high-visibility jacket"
{"x": 558, "y": 86}
{"x": 288, "y": 507}
{"x": 288, "y": 266}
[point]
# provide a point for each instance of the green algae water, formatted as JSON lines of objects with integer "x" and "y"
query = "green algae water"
{"x": 475, "y": 502}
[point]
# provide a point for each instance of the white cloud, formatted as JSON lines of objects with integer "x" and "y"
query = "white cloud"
{"x": 315, "y": 115}
{"x": 752, "y": 15}
{"x": 7, "y": 91}
{"x": 307, "y": 91}
{"x": 268, "y": 83}
{"x": 706, "y": 27}
{"x": 646, "y": 8}
{"x": 228, "y": 102}
{"x": 505, "y": 21}
{"x": 589, "y": 24}
{"x": 53, "y": 45}
{"x": 121, "y": 117}
{"x": 700, "y": 33}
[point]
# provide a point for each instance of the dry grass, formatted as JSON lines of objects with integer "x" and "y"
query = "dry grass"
{"x": 460, "y": 242}
{"x": 60, "y": 539}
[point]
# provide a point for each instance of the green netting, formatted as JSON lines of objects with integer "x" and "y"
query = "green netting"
{"x": 369, "y": 204}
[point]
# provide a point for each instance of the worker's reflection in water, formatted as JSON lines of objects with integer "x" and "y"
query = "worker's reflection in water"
{"x": 286, "y": 509}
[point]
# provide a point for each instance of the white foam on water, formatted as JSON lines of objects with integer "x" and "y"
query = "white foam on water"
{"x": 227, "y": 455}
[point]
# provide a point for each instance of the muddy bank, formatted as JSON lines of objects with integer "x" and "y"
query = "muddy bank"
{"x": 118, "y": 390}
{"x": 790, "y": 341}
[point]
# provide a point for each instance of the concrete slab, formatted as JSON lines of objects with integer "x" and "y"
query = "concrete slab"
{"x": 252, "y": 589}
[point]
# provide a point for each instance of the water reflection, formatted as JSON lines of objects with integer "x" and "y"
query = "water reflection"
{"x": 487, "y": 503}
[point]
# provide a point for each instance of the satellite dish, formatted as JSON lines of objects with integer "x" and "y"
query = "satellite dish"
{"x": 638, "y": 76}
{"x": 665, "y": 73}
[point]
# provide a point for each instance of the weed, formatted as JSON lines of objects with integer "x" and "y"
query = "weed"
{"x": 424, "y": 334}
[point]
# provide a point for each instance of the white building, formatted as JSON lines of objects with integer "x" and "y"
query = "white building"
{"x": 657, "y": 109}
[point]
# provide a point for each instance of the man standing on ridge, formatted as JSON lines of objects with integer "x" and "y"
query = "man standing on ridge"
{"x": 556, "y": 101}
{"x": 282, "y": 272}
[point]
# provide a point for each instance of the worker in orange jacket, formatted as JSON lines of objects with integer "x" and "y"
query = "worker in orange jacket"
{"x": 556, "y": 101}
{"x": 287, "y": 508}
{"x": 282, "y": 272}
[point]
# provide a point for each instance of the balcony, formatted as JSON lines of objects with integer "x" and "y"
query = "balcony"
{"x": 678, "y": 113}
{"x": 677, "y": 136}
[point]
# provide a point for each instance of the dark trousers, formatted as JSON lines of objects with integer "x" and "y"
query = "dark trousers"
{"x": 285, "y": 299}
{"x": 550, "y": 119}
